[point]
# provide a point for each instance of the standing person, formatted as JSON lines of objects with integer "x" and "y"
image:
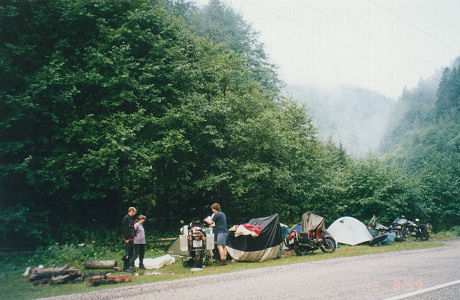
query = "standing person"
{"x": 221, "y": 230}
{"x": 128, "y": 239}
{"x": 139, "y": 241}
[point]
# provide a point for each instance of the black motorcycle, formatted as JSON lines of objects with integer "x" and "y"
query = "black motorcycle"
{"x": 400, "y": 227}
{"x": 419, "y": 231}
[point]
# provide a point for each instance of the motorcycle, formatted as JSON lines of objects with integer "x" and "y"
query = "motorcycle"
{"x": 380, "y": 228}
{"x": 312, "y": 239}
{"x": 419, "y": 231}
{"x": 400, "y": 227}
{"x": 197, "y": 242}
{"x": 404, "y": 228}
{"x": 304, "y": 242}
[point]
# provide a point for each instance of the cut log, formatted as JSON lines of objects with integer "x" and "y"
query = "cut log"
{"x": 96, "y": 280}
{"x": 42, "y": 281}
{"x": 100, "y": 264}
{"x": 36, "y": 273}
{"x": 48, "y": 270}
{"x": 60, "y": 279}
{"x": 89, "y": 275}
{"x": 66, "y": 278}
{"x": 101, "y": 279}
{"x": 78, "y": 279}
{"x": 118, "y": 278}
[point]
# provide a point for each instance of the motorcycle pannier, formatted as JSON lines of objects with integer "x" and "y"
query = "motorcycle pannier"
{"x": 210, "y": 241}
{"x": 183, "y": 242}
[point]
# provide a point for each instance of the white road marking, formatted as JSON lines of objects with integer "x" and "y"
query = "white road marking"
{"x": 436, "y": 287}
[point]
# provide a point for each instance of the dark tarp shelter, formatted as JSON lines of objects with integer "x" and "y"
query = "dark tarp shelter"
{"x": 266, "y": 246}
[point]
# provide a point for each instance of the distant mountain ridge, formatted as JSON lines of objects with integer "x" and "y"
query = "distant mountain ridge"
{"x": 352, "y": 116}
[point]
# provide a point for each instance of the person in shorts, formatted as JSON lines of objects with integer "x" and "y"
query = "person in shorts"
{"x": 219, "y": 220}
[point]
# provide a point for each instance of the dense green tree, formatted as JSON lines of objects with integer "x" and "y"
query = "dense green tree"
{"x": 119, "y": 104}
{"x": 222, "y": 25}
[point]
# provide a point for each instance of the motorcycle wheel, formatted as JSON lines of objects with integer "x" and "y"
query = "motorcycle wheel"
{"x": 424, "y": 235}
{"x": 199, "y": 262}
{"x": 404, "y": 235}
{"x": 300, "y": 250}
{"x": 328, "y": 245}
{"x": 401, "y": 235}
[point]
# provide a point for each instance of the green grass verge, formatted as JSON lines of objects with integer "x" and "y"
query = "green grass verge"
{"x": 14, "y": 286}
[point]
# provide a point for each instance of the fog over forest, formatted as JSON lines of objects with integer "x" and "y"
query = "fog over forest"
{"x": 352, "y": 116}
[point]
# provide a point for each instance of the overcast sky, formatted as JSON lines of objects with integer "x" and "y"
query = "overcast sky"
{"x": 382, "y": 45}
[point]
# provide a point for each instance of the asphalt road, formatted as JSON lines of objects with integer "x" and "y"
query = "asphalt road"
{"x": 416, "y": 274}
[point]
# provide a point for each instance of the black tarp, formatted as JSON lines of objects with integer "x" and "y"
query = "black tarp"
{"x": 270, "y": 239}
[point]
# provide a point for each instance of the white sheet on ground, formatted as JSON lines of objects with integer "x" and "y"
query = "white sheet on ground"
{"x": 156, "y": 263}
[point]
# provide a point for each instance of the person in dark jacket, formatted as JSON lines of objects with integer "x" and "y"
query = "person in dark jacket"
{"x": 128, "y": 239}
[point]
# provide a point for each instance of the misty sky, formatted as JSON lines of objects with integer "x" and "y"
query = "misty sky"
{"x": 382, "y": 45}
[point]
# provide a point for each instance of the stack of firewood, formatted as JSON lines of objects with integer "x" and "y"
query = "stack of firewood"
{"x": 106, "y": 277}
{"x": 66, "y": 274}
{"x": 45, "y": 276}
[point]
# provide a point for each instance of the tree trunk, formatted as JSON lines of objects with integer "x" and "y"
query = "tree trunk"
{"x": 100, "y": 264}
{"x": 65, "y": 278}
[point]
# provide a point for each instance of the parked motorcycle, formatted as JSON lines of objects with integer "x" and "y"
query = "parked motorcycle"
{"x": 404, "y": 228}
{"x": 197, "y": 242}
{"x": 314, "y": 237}
{"x": 382, "y": 229}
{"x": 304, "y": 242}
{"x": 419, "y": 231}
{"x": 399, "y": 226}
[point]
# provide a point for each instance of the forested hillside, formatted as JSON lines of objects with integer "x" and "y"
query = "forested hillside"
{"x": 111, "y": 104}
{"x": 352, "y": 116}
{"x": 423, "y": 137}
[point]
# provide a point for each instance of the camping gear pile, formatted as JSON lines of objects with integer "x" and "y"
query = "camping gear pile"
{"x": 312, "y": 236}
{"x": 261, "y": 239}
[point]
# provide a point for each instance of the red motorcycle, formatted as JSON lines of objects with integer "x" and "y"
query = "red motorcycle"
{"x": 312, "y": 236}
